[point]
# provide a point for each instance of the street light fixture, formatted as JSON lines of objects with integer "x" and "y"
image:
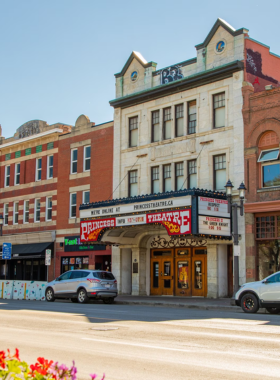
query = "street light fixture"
{"x": 233, "y": 205}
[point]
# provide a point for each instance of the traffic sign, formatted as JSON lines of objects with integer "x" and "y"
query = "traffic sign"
{"x": 48, "y": 257}
{"x": 7, "y": 251}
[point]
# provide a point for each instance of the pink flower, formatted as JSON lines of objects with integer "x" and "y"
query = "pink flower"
{"x": 93, "y": 376}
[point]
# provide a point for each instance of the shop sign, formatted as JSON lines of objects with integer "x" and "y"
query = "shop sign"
{"x": 213, "y": 207}
{"x": 176, "y": 223}
{"x": 213, "y": 226}
{"x": 7, "y": 251}
{"x": 136, "y": 207}
{"x": 74, "y": 244}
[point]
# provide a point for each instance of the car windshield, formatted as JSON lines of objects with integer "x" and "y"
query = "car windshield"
{"x": 104, "y": 275}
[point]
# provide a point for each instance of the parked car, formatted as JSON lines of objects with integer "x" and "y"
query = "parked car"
{"x": 265, "y": 293}
{"x": 82, "y": 284}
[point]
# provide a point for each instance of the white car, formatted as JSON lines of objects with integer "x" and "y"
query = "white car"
{"x": 254, "y": 295}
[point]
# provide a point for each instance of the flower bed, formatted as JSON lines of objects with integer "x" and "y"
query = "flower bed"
{"x": 11, "y": 367}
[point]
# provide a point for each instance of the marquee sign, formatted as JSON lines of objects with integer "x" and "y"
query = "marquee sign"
{"x": 176, "y": 223}
{"x": 130, "y": 208}
{"x": 213, "y": 207}
{"x": 214, "y": 226}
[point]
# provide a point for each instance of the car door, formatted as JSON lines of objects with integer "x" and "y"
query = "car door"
{"x": 61, "y": 284}
{"x": 270, "y": 288}
{"x": 75, "y": 279}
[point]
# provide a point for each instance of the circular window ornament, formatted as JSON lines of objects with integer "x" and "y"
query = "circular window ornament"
{"x": 134, "y": 76}
{"x": 220, "y": 47}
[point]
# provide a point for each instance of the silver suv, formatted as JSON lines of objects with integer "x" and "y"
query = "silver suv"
{"x": 265, "y": 293}
{"x": 81, "y": 284}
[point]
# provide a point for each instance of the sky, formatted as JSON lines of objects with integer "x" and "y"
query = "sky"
{"x": 59, "y": 57}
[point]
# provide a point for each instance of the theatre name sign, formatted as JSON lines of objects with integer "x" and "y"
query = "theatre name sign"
{"x": 177, "y": 218}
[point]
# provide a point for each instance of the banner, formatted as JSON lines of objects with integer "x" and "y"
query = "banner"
{"x": 176, "y": 223}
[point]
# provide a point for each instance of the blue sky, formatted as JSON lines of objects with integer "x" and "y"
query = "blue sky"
{"x": 59, "y": 57}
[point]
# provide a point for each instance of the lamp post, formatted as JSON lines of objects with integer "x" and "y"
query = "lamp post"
{"x": 234, "y": 206}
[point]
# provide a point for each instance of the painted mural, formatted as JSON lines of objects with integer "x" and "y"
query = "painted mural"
{"x": 171, "y": 74}
{"x": 19, "y": 290}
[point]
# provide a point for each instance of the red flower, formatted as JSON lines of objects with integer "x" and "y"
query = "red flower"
{"x": 40, "y": 367}
{"x": 2, "y": 359}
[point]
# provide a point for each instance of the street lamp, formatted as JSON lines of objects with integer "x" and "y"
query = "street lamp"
{"x": 236, "y": 251}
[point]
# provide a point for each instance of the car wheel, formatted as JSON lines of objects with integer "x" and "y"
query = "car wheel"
{"x": 273, "y": 310}
{"x": 50, "y": 295}
{"x": 74, "y": 300}
{"x": 109, "y": 300}
{"x": 249, "y": 303}
{"x": 82, "y": 296}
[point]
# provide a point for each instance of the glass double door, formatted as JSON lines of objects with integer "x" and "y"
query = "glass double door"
{"x": 180, "y": 272}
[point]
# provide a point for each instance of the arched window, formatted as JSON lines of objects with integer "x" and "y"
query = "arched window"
{"x": 269, "y": 159}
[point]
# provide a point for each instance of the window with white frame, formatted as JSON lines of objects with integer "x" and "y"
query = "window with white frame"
{"x": 133, "y": 131}
{"x": 179, "y": 120}
{"x": 167, "y": 184}
{"x": 50, "y": 167}
{"x": 191, "y": 117}
{"x": 133, "y": 183}
{"x": 74, "y": 161}
{"x": 7, "y": 175}
{"x": 86, "y": 196}
{"x": 17, "y": 174}
{"x": 73, "y": 205}
{"x": 167, "y": 123}
{"x": 49, "y": 208}
{"x": 15, "y": 212}
{"x": 220, "y": 174}
{"x": 155, "y": 126}
{"x": 38, "y": 169}
{"x": 37, "y": 210}
{"x": 155, "y": 179}
{"x": 87, "y": 154}
{"x": 26, "y": 212}
{"x": 219, "y": 107}
{"x": 270, "y": 167}
{"x": 179, "y": 175}
{"x": 192, "y": 174}
{"x": 6, "y": 214}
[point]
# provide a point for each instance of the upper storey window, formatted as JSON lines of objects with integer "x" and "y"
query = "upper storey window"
{"x": 269, "y": 159}
{"x": 133, "y": 131}
{"x": 38, "y": 169}
{"x": 7, "y": 176}
{"x": 87, "y": 155}
{"x": 179, "y": 120}
{"x": 192, "y": 117}
{"x": 219, "y": 110}
{"x": 167, "y": 123}
{"x": 74, "y": 161}
{"x": 155, "y": 126}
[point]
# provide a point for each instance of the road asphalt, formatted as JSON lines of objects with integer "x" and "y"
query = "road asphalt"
{"x": 133, "y": 342}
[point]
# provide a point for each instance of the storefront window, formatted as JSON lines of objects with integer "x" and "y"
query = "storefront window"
{"x": 265, "y": 227}
{"x": 71, "y": 263}
{"x": 183, "y": 275}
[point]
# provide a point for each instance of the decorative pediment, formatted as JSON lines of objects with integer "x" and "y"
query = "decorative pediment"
{"x": 139, "y": 58}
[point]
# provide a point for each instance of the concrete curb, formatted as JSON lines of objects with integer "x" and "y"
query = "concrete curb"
{"x": 234, "y": 309}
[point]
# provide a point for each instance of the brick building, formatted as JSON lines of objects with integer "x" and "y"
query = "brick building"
{"x": 85, "y": 174}
{"x": 46, "y": 172}
{"x": 261, "y": 112}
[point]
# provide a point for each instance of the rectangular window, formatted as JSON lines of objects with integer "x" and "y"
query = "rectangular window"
{"x": 179, "y": 120}
{"x": 50, "y": 167}
{"x": 133, "y": 183}
{"x": 15, "y": 212}
{"x": 7, "y": 175}
{"x": 192, "y": 117}
{"x": 265, "y": 227}
{"x": 167, "y": 185}
{"x": 86, "y": 196}
{"x": 17, "y": 174}
{"x": 18, "y": 154}
{"x": 87, "y": 154}
{"x": 179, "y": 175}
{"x": 155, "y": 126}
{"x": 219, "y": 110}
{"x": 37, "y": 210}
{"x": 49, "y": 145}
{"x": 271, "y": 175}
{"x": 26, "y": 212}
{"x": 219, "y": 172}
{"x": 38, "y": 148}
{"x": 167, "y": 123}
{"x": 133, "y": 131}
{"x": 74, "y": 161}
{"x": 6, "y": 214}
{"x": 155, "y": 180}
{"x": 7, "y": 156}
{"x": 38, "y": 169}
{"x": 27, "y": 151}
{"x": 49, "y": 208}
{"x": 192, "y": 174}
{"x": 73, "y": 205}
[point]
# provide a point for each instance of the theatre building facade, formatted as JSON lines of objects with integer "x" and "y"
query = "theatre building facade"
{"x": 176, "y": 130}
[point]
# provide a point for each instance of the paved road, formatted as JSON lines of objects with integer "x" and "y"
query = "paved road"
{"x": 143, "y": 342}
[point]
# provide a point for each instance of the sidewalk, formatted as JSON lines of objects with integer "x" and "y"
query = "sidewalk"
{"x": 223, "y": 304}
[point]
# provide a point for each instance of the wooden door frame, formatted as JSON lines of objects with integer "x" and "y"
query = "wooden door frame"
{"x": 159, "y": 291}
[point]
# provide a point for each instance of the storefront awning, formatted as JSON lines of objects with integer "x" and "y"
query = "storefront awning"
{"x": 25, "y": 251}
